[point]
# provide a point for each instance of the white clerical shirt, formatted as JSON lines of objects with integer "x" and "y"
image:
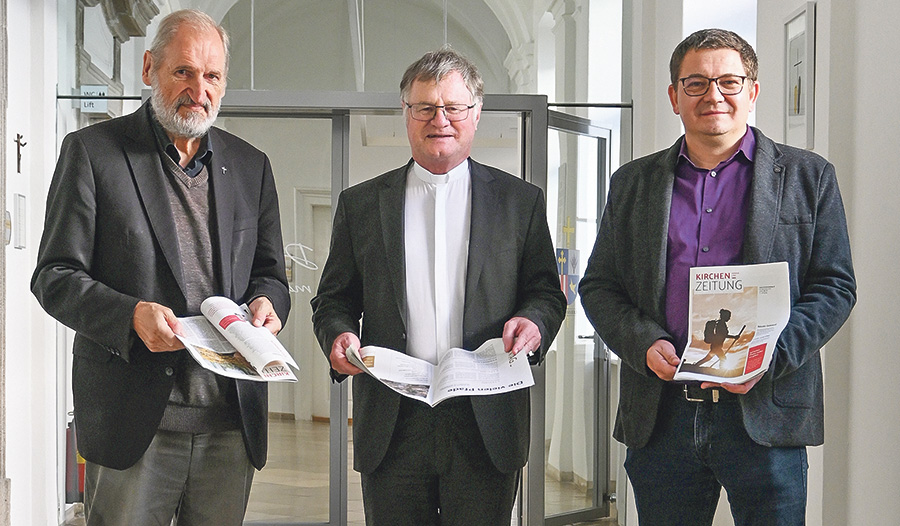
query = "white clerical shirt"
{"x": 437, "y": 216}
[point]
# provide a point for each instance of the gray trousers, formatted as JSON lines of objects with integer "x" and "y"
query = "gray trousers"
{"x": 195, "y": 479}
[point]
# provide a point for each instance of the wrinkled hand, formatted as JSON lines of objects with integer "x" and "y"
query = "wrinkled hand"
{"x": 338, "y": 356}
{"x": 263, "y": 314}
{"x": 156, "y": 325}
{"x": 743, "y": 388}
{"x": 521, "y": 334}
{"x": 662, "y": 359}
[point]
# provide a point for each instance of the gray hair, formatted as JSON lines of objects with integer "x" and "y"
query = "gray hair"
{"x": 714, "y": 39}
{"x": 192, "y": 18}
{"x": 435, "y": 65}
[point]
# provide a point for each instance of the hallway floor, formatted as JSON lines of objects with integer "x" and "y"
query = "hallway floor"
{"x": 294, "y": 484}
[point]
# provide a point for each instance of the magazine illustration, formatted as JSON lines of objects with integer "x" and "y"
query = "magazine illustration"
{"x": 484, "y": 371}
{"x": 736, "y": 315}
{"x": 224, "y": 341}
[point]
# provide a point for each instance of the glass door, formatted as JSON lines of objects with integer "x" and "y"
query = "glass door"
{"x": 321, "y": 143}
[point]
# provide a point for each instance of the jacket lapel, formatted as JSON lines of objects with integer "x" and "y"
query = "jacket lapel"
{"x": 765, "y": 201}
{"x": 482, "y": 226}
{"x": 150, "y": 180}
{"x": 391, "y": 200}
{"x": 224, "y": 191}
{"x": 659, "y": 206}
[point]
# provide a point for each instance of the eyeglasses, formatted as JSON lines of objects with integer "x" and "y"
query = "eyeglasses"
{"x": 697, "y": 85}
{"x": 426, "y": 112}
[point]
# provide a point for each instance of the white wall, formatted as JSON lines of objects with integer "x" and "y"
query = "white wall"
{"x": 856, "y": 128}
{"x": 31, "y": 364}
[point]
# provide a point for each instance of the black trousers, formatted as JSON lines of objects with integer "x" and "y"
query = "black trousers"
{"x": 438, "y": 472}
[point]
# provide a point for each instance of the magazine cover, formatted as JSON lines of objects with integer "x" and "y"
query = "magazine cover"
{"x": 736, "y": 314}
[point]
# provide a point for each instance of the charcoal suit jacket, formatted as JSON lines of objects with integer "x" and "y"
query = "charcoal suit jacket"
{"x": 795, "y": 215}
{"x": 109, "y": 241}
{"x": 511, "y": 271}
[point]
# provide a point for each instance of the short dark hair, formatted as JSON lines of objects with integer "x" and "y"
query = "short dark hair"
{"x": 435, "y": 65}
{"x": 714, "y": 39}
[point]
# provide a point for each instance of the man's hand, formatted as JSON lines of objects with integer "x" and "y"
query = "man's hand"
{"x": 662, "y": 359}
{"x": 338, "y": 354}
{"x": 521, "y": 334}
{"x": 264, "y": 314}
{"x": 743, "y": 388}
{"x": 156, "y": 325}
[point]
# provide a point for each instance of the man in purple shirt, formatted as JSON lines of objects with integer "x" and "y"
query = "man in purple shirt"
{"x": 723, "y": 194}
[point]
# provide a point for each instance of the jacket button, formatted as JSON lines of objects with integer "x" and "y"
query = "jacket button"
{"x": 170, "y": 371}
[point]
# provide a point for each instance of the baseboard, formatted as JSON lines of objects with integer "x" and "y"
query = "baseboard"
{"x": 327, "y": 420}
{"x": 4, "y": 502}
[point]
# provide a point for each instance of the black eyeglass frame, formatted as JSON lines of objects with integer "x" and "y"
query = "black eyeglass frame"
{"x": 442, "y": 108}
{"x": 710, "y": 81}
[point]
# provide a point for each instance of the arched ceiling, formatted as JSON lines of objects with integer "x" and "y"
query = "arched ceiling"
{"x": 486, "y": 30}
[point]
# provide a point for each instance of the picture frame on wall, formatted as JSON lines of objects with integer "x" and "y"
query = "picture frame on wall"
{"x": 800, "y": 56}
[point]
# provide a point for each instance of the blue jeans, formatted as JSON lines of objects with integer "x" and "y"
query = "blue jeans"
{"x": 699, "y": 447}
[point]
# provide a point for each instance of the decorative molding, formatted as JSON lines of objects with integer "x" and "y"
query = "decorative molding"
{"x": 521, "y": 67}
{"x": 126, "y": 18}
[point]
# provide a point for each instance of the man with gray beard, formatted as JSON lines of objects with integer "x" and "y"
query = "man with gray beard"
{"x": 148, "y": 215}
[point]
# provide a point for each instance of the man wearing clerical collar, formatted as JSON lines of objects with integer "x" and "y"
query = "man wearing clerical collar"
{"x": 441, "y": 253}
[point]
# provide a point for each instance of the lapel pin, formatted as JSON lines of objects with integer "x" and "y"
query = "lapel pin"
{"x": 224, "y": 170}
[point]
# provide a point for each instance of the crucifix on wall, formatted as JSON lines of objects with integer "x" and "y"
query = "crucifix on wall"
{"x": 19, "y": 146}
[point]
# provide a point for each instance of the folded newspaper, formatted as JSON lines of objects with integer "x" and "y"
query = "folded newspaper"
{"x": 736, "y": 315}
{"x": 224, "y": 341}
{"x": 486, "y": 370}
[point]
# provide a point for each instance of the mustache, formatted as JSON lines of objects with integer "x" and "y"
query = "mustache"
{"x": 185, "y": 100}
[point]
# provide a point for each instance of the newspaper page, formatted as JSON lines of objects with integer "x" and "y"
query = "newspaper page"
{"x": 225, "y": 342}
{"x": 736, "y": 315}
{"x": 486, "y": 370}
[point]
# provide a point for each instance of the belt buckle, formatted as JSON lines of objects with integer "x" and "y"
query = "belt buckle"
{"x": 714, "y": 392}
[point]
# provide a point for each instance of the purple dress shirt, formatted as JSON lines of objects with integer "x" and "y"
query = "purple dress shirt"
{"x": 706, "y": 225}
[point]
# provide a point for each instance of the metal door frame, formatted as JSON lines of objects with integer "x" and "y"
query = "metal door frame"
{"x": 601, "y": 494}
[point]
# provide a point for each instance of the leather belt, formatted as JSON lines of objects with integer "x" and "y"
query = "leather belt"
{"x": 693, "y": 393}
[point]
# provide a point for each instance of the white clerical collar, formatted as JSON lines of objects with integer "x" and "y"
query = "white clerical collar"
{"x": 459, "y": 171}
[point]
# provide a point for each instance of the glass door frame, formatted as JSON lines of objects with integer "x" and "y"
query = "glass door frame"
{"x": 601, "y": 494}
{"x": 339, "y": 106}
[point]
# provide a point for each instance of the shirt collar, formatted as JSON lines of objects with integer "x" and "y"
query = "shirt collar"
{"x": 195, "y": 165}
{"x": 747, "y": 148}
{"x": 459, "y": 171}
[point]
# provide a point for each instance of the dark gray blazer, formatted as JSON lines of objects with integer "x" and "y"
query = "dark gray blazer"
{"x": 511, "y": 272}
{"x": 109, "y": 241}
{"x": 795, "y": 215}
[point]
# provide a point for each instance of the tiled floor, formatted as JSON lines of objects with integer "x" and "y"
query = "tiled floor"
{"x": 293, "y": 487}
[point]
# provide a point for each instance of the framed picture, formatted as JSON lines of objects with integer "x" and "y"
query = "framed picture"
{"x": 800, "y": 77}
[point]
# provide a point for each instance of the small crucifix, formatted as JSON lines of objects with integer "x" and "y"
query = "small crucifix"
{"x": 20, "y": 144}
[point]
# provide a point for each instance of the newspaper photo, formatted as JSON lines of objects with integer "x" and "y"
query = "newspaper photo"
{"x": 486, "y": 370}
{"x": 736, "y": 315}
{"x": 224, "y": 341}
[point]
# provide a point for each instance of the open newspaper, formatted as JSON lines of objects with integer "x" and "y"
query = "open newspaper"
{"x": 224, "y": 341}
{"x": 736, "y": 315}
{"x": 484, "y": 371}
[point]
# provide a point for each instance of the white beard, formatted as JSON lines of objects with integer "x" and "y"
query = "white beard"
{"x": 194, "y": 126}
